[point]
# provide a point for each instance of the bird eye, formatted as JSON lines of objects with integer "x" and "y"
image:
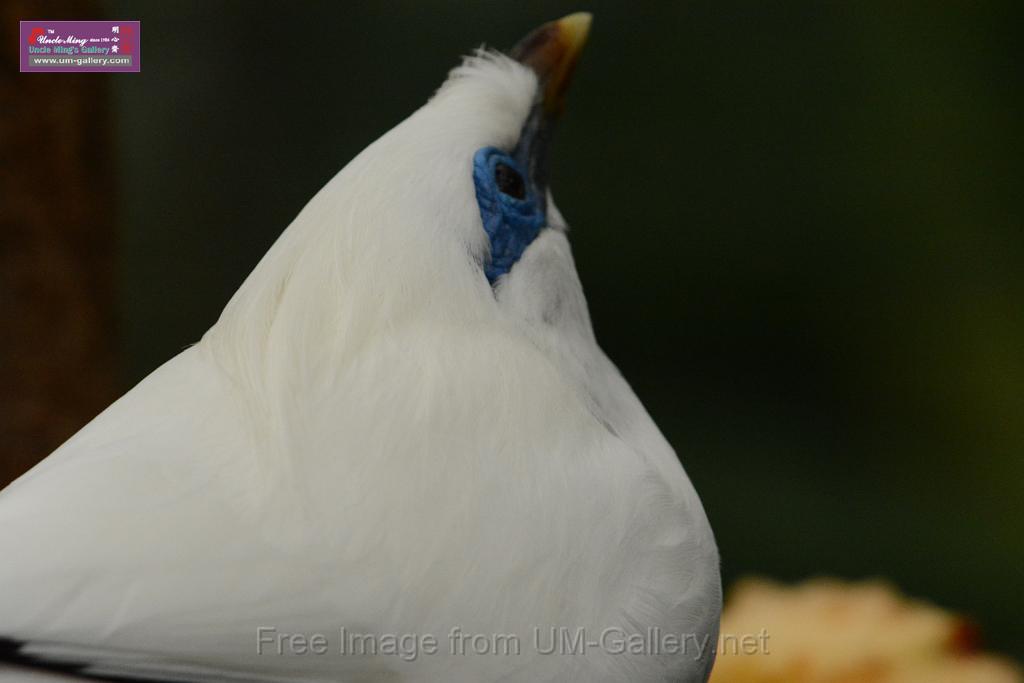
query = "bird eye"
{"x": 509, "y": 181}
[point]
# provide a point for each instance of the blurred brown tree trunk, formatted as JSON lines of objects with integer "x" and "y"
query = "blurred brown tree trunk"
{"x": 56, "y": 247}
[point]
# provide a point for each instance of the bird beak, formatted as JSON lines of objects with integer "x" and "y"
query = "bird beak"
{"x": 552, "y": 52}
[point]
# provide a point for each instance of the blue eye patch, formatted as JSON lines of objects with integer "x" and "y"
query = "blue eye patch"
{"x": 512, "y": 213}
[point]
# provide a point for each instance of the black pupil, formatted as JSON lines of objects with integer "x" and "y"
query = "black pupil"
{"x": 509, "y": 182}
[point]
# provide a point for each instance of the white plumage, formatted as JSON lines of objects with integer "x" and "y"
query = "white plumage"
{"x": 372, "y": 438}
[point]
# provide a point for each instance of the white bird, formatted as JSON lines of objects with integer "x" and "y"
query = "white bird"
{"x": 401, "y": 431}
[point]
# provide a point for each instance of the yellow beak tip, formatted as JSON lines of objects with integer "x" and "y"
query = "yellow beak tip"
{"x": 552, "y": 51}
{"x": 575, "y": 27}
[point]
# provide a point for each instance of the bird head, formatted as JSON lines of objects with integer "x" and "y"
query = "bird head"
{"x": 449, "y": 216}
{"x": 512, "y": 183}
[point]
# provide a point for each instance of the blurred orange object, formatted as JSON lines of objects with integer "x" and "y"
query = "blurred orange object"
{"x": 830, "y": 631}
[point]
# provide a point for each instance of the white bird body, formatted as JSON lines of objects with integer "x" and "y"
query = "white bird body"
{"x": 371, "y": 438}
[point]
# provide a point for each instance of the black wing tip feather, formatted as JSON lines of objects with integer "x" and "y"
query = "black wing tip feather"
{"x": 11, "y": 652}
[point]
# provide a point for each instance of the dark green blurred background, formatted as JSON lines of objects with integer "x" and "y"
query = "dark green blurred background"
{"x": 798, "y": 225}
